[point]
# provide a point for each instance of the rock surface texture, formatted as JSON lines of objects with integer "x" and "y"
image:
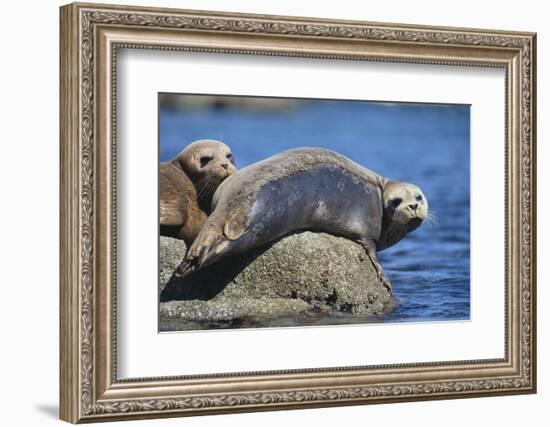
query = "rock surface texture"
{"x": 298, "y": 274}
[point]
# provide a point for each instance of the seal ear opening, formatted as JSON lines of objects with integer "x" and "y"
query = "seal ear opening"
{"x": 235, "y": 226}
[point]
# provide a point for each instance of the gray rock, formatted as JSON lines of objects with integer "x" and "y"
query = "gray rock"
{"x": 171, "y": 252}
{"x": 300, "y": 272}
{"x": 227, "y": 309}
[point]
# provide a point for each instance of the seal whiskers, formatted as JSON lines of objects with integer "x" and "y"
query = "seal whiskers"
{"x": 431, "y": 218}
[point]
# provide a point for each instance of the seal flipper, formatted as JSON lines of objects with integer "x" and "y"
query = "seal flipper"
{"x": 208, "y": 247}
{"x": 370, "y": 249}
{"x": 186, "y": 267}
{"x": 236, "y": 225}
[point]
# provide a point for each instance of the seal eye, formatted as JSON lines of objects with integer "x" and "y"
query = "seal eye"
{"x": 205, "y": 160}
{"x": 419, "y": 198}
{"x": 395, "y": 202}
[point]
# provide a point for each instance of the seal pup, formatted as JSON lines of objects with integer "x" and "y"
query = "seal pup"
{"x": 187, "y": 184}
{"x": 306, "y": 189}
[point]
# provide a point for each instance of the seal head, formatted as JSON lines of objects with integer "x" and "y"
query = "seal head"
{"x": 207, "y": 163}
{"x": 405, "y": 209}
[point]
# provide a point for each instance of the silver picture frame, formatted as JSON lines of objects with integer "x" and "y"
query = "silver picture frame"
{"x": 90, "y": 37}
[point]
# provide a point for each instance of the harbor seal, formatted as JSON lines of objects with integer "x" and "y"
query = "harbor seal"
{"x": 187, "y": 184}
{"x": 306, "y": 189}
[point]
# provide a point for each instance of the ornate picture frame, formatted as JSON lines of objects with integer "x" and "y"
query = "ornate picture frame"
{"x": 90, "y": 37}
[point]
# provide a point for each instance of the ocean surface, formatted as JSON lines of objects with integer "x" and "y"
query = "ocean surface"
{"x": 425, "y": 144}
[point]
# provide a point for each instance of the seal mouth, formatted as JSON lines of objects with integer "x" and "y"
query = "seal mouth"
{"x": 414, "y": 223}
{"x": 222, "y": 175}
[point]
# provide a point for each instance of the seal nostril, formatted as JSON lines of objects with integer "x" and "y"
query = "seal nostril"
{"x": 225, "y": 166}
{"x": 413, "y": 206}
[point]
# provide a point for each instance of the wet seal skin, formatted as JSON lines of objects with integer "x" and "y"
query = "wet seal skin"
{"x": 306, "y": 189}
{"x": 187, "y": 184}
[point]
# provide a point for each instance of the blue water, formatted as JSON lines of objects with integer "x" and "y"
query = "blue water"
{"x": 426, "y": 144}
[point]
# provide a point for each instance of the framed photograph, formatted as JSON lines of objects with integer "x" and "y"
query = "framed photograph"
{"x": 267, "y": 212}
